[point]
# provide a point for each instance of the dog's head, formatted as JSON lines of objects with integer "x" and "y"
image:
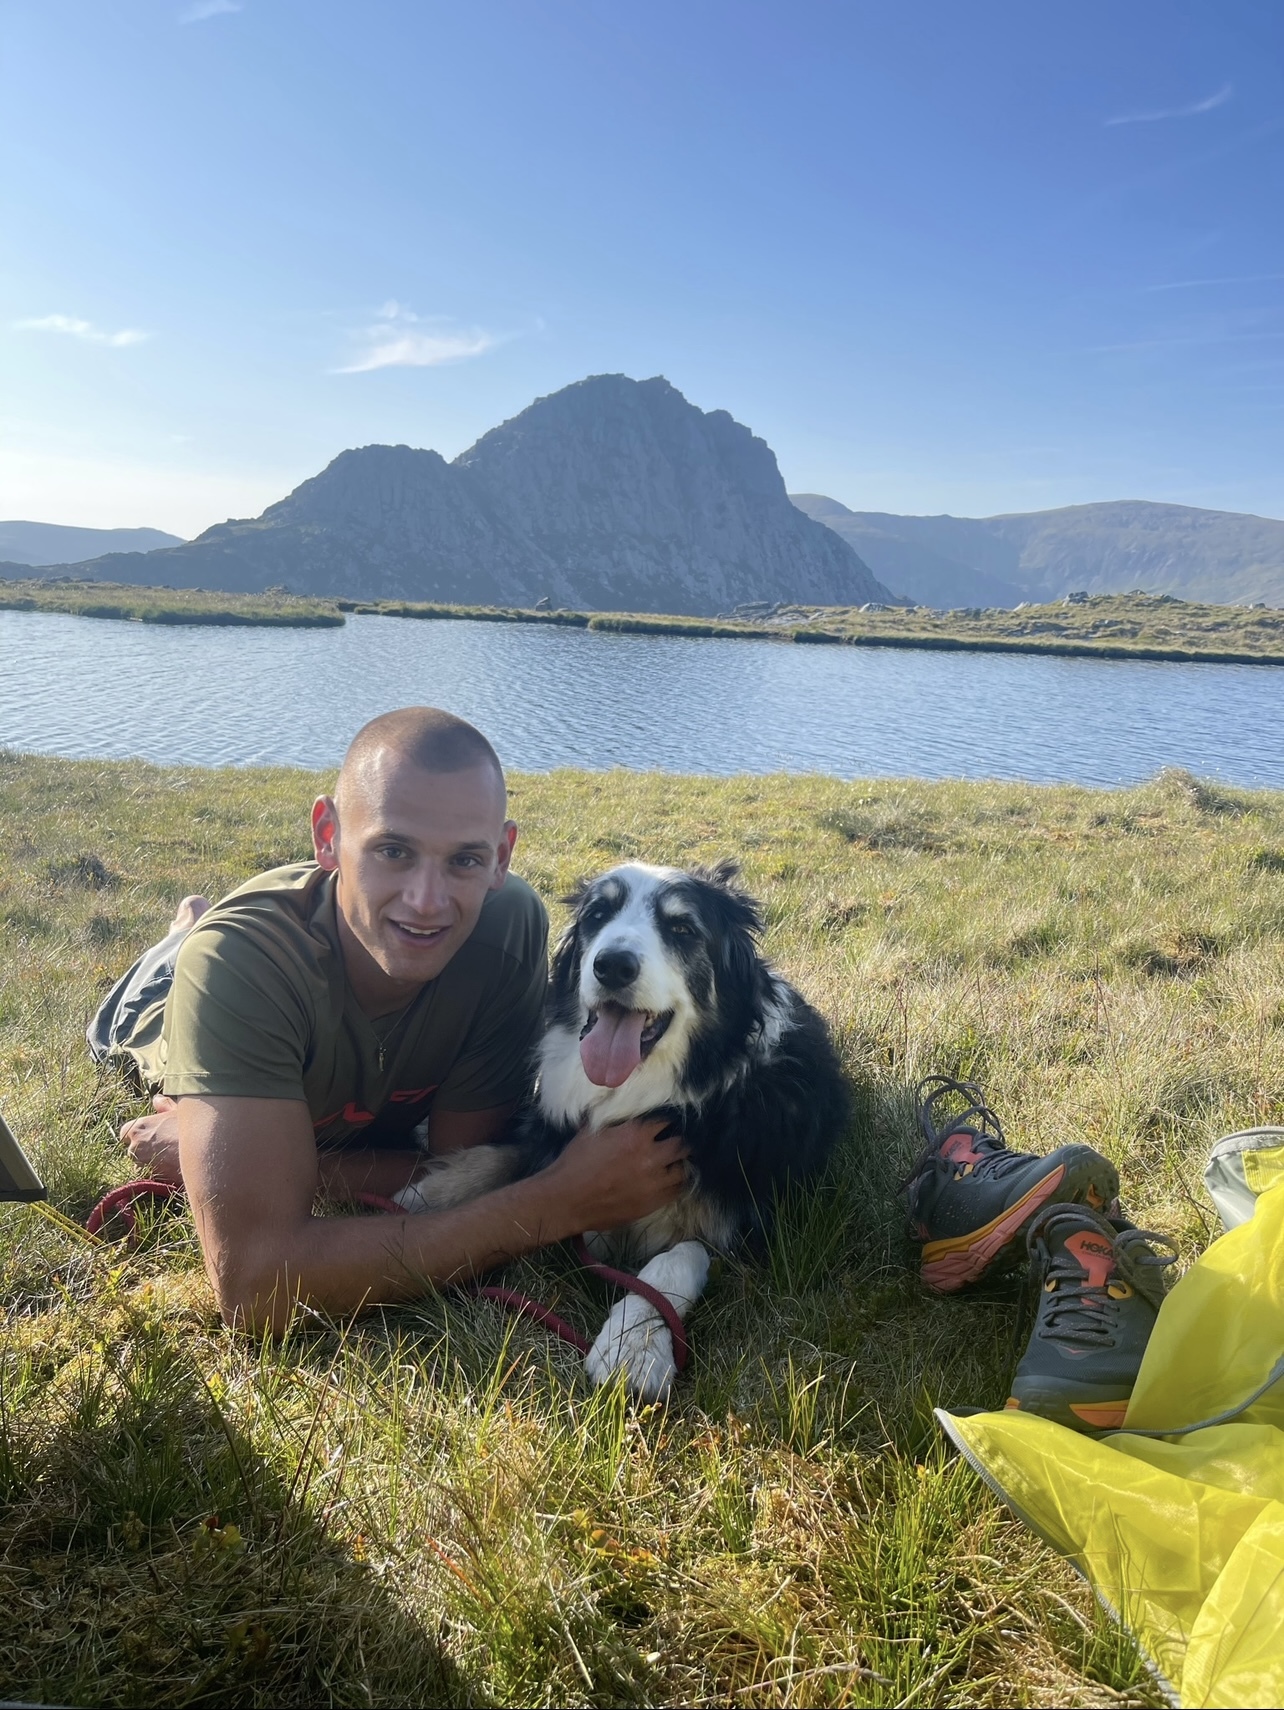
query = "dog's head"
{"x": 656, "y": 968}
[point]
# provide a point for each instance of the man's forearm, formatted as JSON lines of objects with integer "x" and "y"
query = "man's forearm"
{"x": 343, "y": 1175}
{"x": 341, "y": 1264}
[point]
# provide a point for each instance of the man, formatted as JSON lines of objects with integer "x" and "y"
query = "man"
{"x": 300, "y": 1030}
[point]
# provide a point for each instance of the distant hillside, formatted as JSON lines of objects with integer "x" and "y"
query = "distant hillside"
{"x": 28, "y": 543}
{"x": 611, "y": 495}
{"x": 1220, "y": 556}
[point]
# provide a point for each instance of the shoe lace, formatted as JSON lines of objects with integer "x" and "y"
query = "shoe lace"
{"x": 1144, "y": 1266}
{"x": 1082, "y": 1312}
{"x": 976, "y": 1119}
{"x": 976, "y": 1116}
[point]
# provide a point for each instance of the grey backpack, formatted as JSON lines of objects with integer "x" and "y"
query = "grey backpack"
{"x": 1240, "y": 1168}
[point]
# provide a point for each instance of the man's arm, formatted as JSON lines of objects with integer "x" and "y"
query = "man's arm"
{"x": 250, "y": 1167}
{"x": 152, "y": 1142}
{"x": 449, "y": 1130}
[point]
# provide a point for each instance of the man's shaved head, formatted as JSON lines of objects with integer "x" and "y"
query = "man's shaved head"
{"x": 427, "y": 737}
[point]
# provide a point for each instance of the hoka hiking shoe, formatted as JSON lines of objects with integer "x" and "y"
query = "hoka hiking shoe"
{"x": 1100, "y": 1284}
{"x": 970, "y": 1198}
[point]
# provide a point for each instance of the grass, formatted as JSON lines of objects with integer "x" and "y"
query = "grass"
{"x": 1105, "y": 626}
{"x": 428, "y": 1505}
{"x": 1109, "y": 626}
{"x": 167, "y": 605}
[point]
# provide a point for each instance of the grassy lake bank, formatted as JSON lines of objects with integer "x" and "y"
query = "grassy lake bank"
{"x": 428, "y": 1504}
{"x": 167, "y": 605}
{"x": 1104, "y": 626}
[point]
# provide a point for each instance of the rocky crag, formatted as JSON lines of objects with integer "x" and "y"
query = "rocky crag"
{"x": 611, "y": 495}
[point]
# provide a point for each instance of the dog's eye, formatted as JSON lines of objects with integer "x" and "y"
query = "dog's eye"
{"x": 682, "y": 928}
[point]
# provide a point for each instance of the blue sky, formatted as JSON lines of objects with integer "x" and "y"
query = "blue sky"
{"x": 953, "y": 257}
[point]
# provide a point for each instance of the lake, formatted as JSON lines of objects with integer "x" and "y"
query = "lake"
{"x": 550, "y": 697}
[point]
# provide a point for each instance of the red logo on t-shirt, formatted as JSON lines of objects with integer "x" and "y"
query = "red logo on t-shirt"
{"x": 353, "y": 1114}
{"x": 412, "y": 1095}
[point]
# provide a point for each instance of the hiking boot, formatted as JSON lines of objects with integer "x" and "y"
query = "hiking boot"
{"x": 970, "y": 1198}
{"x": 1100, "y": 1285}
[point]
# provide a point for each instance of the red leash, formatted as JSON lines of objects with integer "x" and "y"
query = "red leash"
{"x": 121, "y": 1202}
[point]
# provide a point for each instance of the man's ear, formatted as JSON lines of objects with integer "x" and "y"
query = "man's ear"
{"x": 325, "y": 833}
{"x": 504, "y": 853}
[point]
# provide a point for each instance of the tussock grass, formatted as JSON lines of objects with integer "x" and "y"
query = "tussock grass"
{"x": 428, "y": 1505}
{"x": 122, "y": 600}
{"x": 1109, "y": 626}
{"x": 429, "y": 610}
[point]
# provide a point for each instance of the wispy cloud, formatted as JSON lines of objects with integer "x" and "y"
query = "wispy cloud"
{"x": 85, "y": 330}
{"x": 1218, "y": 99}
{"x": 399, "y": 338}
{"x": 199, "y": 10}
{"x": 1231, "y": 279}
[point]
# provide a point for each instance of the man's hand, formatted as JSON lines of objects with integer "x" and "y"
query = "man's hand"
{"x": 152, "y": 1141}
{"x": 615, "y": 1175}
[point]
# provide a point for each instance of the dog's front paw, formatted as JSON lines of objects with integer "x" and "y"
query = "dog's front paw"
{"x": 635, "y": 1339}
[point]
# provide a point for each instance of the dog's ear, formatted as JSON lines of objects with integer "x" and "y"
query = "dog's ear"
{"x": 739, "y": 926}
{"x": 564, "y": 971}
{"x": 733, "y": 908}
{"x": 565, "y": 967}
{"x": 576, "y": 895}
{"x": 724, "y": 874}
{"x": 739, "y": 964}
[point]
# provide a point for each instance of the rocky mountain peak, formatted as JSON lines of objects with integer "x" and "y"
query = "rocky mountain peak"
{"x": 611, "y": 494}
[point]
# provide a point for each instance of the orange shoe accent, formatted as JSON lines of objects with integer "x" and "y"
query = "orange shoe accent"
{"x": 1011, "y": 1403}
{"x": 960, "y": 1150}
{"x": 951, "y": 1264}
{"x": 1101, "y": 1415}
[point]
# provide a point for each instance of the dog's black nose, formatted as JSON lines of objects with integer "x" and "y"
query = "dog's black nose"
{"x": 616, "y": 968}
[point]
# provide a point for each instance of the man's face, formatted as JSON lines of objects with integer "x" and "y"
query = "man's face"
{"x": 416, "y": 853}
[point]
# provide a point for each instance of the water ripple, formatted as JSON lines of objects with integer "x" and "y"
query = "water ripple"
{"x": 548, "y": 697}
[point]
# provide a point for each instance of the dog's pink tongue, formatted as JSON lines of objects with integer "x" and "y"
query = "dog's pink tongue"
{"x": 612, "y": 1048}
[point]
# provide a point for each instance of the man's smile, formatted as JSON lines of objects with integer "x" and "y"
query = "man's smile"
{"x": 420, "y": 936}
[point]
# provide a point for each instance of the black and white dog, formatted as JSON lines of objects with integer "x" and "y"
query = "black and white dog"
{"x": 660, "y": 1003}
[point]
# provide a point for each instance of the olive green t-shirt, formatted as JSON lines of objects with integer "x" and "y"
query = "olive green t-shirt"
{"x": 260, "y": 1008}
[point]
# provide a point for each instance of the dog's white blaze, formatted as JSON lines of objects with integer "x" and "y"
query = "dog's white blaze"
{"x": 660, "y": 985}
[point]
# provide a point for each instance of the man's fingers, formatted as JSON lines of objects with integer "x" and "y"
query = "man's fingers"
{"x": 671, "y": 1151}
{"x": 644, "y": 1127}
